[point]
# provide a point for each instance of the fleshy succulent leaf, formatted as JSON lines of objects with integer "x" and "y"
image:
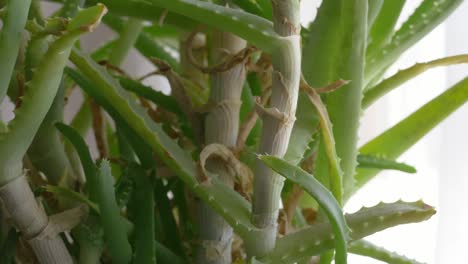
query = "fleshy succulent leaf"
{"x": 336, "y": 50}
{"x": 367, "y": 249}
{"x": 375, "y": 6}
{"x": 44, "y": 85}
{"x": 376, "y": 162}
{"x": 424, "y": 19}
{"x": 318, "y": 238}
{"x": 334, "y": 168}
{"x": 252, "y": 28}
{"x": 144, "y": 44}
{"x": 14, "y": 21}
{"x": 305, "y": 127}
{"x": 382, "y": 29}
{"x": 373, "y": 94}
{"x": 399, "y": 138}
{"x": 143, "y": 206}
{"x": 115, "y": 230}
{"x": 87, "y": 162}
{"x": 233, "y": 207}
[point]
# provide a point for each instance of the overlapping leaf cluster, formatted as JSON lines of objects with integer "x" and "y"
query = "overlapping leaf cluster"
{"x": 143, "y": 189}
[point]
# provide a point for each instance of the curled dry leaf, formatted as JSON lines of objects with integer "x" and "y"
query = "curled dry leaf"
{"x": 241, "y": 174}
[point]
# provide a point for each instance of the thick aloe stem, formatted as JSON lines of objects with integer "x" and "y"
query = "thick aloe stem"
{"x": 32, "y": 221}
{"x": 278, "y": 121}
{"x": 221, "y": 126}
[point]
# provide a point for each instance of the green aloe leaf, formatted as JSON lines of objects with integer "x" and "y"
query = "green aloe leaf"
{"x": 102, "y": 53}
{"x": 144, "y": 153}
{"x": 166, "y": 214}
{"x": 399, "y": 138}
{"x": 252, "y": 28}
{"x": 146, "y": 11}
{"x": 143, "y": 207}
{"x": 375, "y": 6}
{"x": 335, "y": 172}
{"x": 250, "y": 6}
{"x": 376, "y": 162}
{"x": 70, "y": 8}
{"x": 87, "y": 162}
{"x": 336, "y": 50}
{"x": 145, "y": 43}
{"x": 82, "y": 120}
{"x": 321, "y": 194}
{"x": 72, "y": 195}
{"x": 164, "y": 255}
{"x": 228, "y": 203}
{"x": 115, "y": 229}
{"x": 373, "y": 94}
{"x": 8, "y": 247}
{"x": 44, "y": 85}
{"x": 157, "y": 97}
{"x": 255, "y": 29}
{"x": 306, "y": 125}
{"x": 10, "y": 38}
{"x": 367, "y": 249}
{"x": 424, "y": 19}
{"x": 382, "y": 29}
{"x": 319, "y": 238}
{"x": 265, "y": 5}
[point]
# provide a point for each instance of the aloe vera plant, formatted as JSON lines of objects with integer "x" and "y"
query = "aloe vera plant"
{"x": 260, "y": 126}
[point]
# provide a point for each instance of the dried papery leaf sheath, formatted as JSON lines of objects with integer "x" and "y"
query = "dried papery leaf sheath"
{"x": 221, "y": 126}
{"x": 278, "y": 121}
